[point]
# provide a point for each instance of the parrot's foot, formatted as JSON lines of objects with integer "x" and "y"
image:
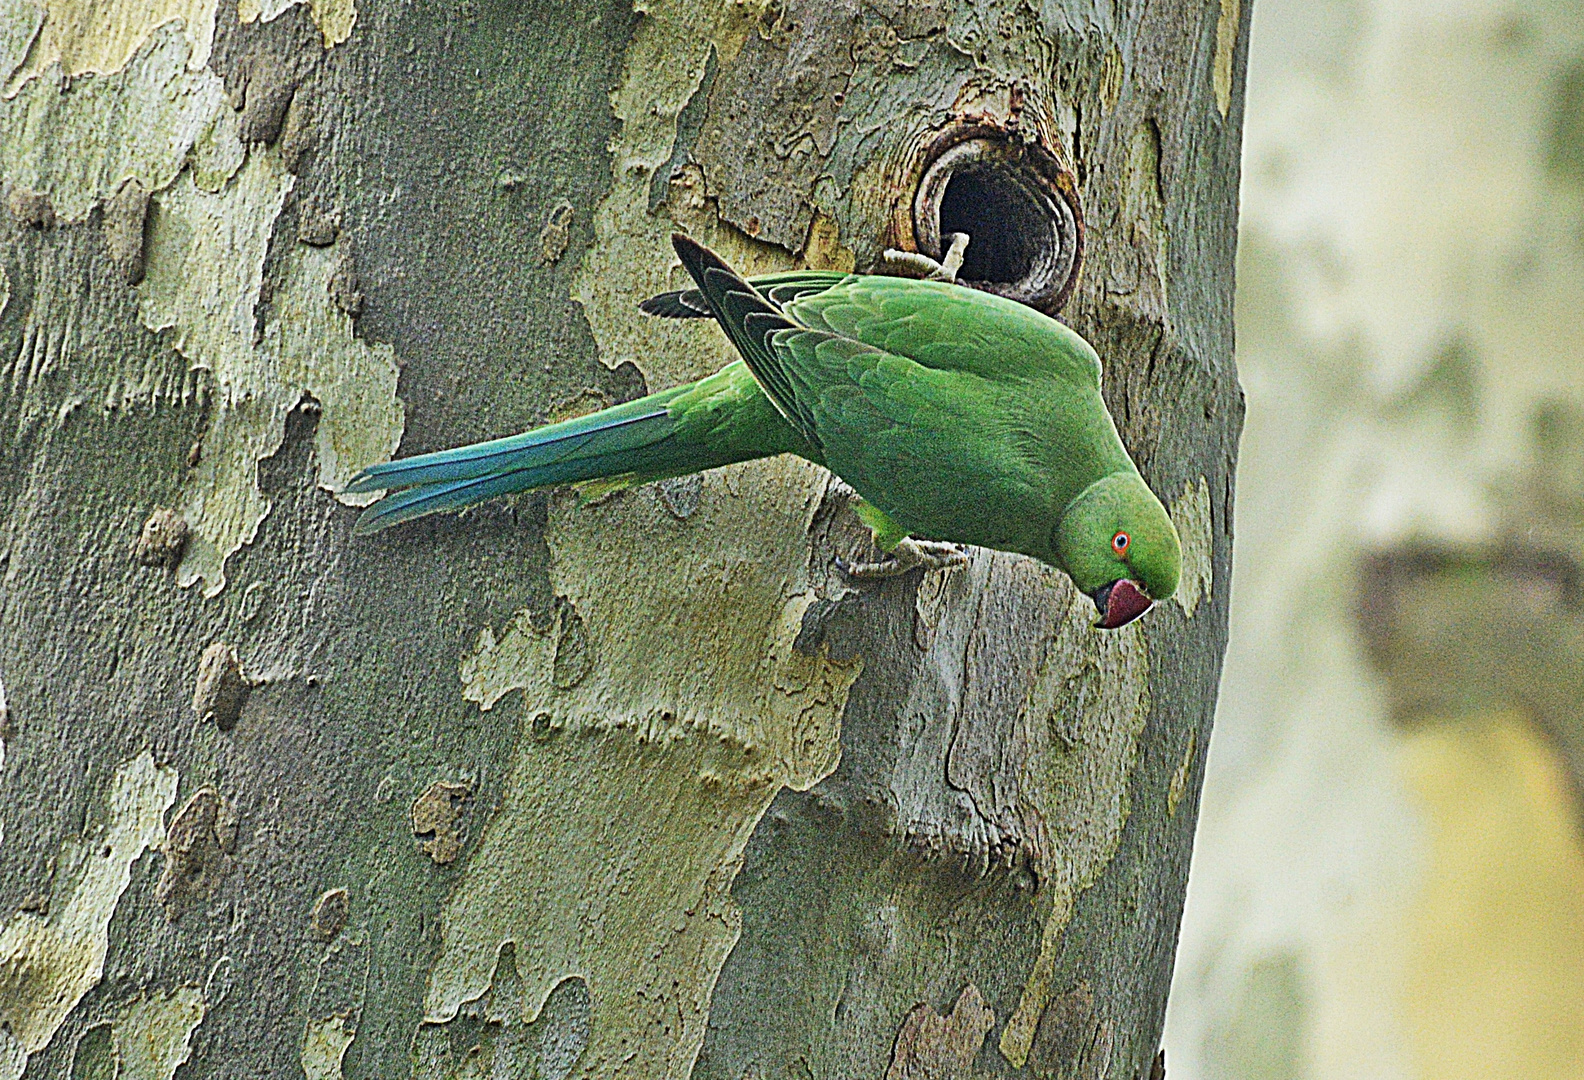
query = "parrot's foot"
{"x": 912, "y": 264}
{"x": 909, "y": 554}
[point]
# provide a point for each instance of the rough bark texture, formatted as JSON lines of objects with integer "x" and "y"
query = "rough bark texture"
{"x": 639, "y": 788}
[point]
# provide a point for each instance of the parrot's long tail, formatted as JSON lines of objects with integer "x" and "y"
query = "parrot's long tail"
{"x": 603, "y": 444}
{"x": 716, "y": 421}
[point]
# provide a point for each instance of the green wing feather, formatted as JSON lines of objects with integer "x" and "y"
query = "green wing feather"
{"x": 950, "y": 328}
{"x": 936, "y": 450}
{"x": 880, "y": 419}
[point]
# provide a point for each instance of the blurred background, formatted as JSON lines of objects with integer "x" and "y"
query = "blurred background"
{"x": 1389, "y": 876}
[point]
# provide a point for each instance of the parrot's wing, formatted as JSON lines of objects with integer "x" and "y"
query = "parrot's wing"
{"x": 934, "y": 449}
{"x": 780, "y": 289}
{"x": 879, "y": 413}
{"x": 950, "y": 328}
{"x": 750, "y": 321}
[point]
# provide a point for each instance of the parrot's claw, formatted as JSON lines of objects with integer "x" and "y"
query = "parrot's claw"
{"x": 909, "y": 554}
{"x": 957, "y": 247}
{"x": 914, "y": 265}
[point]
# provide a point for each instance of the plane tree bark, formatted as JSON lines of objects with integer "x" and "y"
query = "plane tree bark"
{"x": 635, "y": 786}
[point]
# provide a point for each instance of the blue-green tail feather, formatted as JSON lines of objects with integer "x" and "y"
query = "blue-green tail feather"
{"x": 606, "y": 432}
{"x": 584, "y": 448}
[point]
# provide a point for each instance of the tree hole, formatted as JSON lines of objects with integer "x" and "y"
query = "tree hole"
{"x": 1006, "y": 226}
{"x": 1025, "y": 239}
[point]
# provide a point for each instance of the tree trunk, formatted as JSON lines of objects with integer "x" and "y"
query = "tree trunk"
{"x": 641, "y": 787}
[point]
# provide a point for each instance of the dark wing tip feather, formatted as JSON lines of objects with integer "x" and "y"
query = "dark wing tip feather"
{"x": 682, "y": 304}
{"x": 699, "y": 259}
{"x": 690, "y": 250}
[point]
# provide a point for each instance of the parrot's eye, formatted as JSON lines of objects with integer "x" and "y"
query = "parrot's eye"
{"x": 1120, "y": 542}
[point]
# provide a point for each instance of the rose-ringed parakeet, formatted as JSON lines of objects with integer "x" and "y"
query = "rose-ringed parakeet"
{"x": 958, "y": 417}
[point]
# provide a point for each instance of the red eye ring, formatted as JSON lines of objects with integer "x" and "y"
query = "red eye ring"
{"x": 1120, "y": 542}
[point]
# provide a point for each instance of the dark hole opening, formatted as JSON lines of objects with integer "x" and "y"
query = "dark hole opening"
{"x": 1008, "y": 230}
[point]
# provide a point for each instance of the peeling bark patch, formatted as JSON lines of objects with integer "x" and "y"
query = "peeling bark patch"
{"x": 324, "y": 1046}
{"x": 1070, "y": 1022}
{"x": 344, "y": 287}
{"x": 437, "y": 814}
{"x": 500, "y": 664}
{"x": 48, "y": 962}
{"x": 631, "y": 256}
{"x": 264, "y": 80}
{"x": 1226, "y": 49}
{"x": 934, "y": 1047}
{"x": 198, "y": 848}
{"x": 204, "y": 246}
{"x": 688, "y": 124}
{"x": 162, "y": 540}
{"x": 565, "y": 1019}
{"x": 556, "y": 233}
{"x": 317, "y": 228}
{"x": 824, "y": 250}
{"x": 20, "y": 22}
{"x": 125, "y": 216}
{"x": 148, "y": 121}
{"x": 221, "y": 688}
{"x": 30, "y": 208}
{"x": 102, "y": 36}
{"x": 153, "y": 1036}
{"x": 205, "y": 270}
{"x": 1191, "y": 514}
{"x": 574, "y": 653}
{"x": 504, "y": 1034}
{"x": 94, "y": 1056}
{"x": 669, "y": 750}
{"x": 330, "y": 914}
{"x": 298, "y": 136}
{"x": 148, "y": 1040}
{"x": 334, "y": 18}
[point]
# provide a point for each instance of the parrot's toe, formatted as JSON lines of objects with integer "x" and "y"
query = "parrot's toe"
{"x": 914, "y": 265}
{"x": 909, "y": 554}
{"x": 952, "y": 263}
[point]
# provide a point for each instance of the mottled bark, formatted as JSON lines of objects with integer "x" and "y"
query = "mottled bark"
{"x": 637, "y": 788}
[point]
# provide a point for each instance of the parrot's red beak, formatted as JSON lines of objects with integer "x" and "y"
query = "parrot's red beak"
{"x": 1120, "y": 603}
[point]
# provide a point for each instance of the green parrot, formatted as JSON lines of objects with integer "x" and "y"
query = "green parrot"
{"x": 957, "y": 417}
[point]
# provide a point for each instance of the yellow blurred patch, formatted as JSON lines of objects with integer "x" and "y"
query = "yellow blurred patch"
{"x": 1495, "y": 979}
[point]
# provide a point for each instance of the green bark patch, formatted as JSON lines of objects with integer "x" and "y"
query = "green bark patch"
{"x": 171, "y": 131}
{"x": 636, "y": 787}
{"x": 205, "y": 268}
{"x": 49, "y": 961}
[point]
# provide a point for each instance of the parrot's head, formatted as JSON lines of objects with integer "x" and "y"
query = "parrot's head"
{"x": 1118, "y": 545}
